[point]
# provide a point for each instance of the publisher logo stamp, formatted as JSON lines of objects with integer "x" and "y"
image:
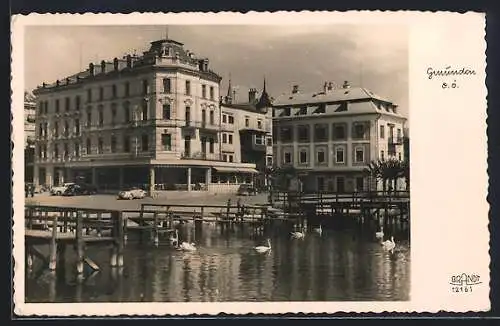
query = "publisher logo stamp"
{"x": 464, "y": 282}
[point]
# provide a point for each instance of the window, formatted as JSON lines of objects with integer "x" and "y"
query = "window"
{"x": 230, "y": 139}
{"x": 77, "y": 150}
{"x": 113, "y": 144}
{"x": 320, "y": 132}
{"x": 224, "y": 138}
{"x": 303, "y": 133}
{"x": 399, "y": 134}
{"x": 259, "y": 124}
{"x": 303, "y": 110}
{"x": 145, "y": 87}
{"x": 77, "y": 102}
{"x": 57, "y": 106}
{"x": 101, "y": 116}
{"x": 144, "y": 110}
{"x": 224, "y": 157}
{"x": 269, "y": 141}
{"x": 89, "y": 95}
{"x": 89, "y": 146}
{"x": 56, "y": 151}
{"x": 212, "y": 118}
{"x": 113, "y": 114}
{"x": 286, "y": 112}
{"x": 382, "y": 132}
{"x": 382, "y": 156}
{"x": 212, "y": 96}
{"x": 399, "y": 156}
{"x": 65, "y": 151}
{"x": 126, "y": 144}
{"x": 321, "y": 109}
{"x": 320, "y": 156}
{"x": 166, "y": 142}
{"x": 100, "y": 146}
{"x": 360, "y": 184}
{"x": 145, "y": 143}
{"x": 101, "y": 93}
{"x": 339, "y": 131}
{"x": 56, "y": 129}
{"x": 89, "y": 117}
{"x": 230, "y": 119}
{"x": 339, "y": 155}
{"x": 286, "y": 135}
{"x": 66, "y": 128}
{"x": 359, "y": 131}
{"x": 126, "y": 112}
{"x": 287, "y": 159}
{"x": 204, "y": 91}
{"x": 230, "y": 158}
{"x": 247, "y": 121}
{"x": 224, "y": 118}
{"x": 166, "y": 111}
{"x": 211, "y": 145}
{"x": 126, "y": 87}
{"x": 303, "y": 157}
{"x": 359, "y": 155}
{"x": 259, "y": 140}
{"x": 269, "y": 161}
{"x": 188, "y": 87}
{"x": 113, "y": 91}
{"x": 166, "y": 85}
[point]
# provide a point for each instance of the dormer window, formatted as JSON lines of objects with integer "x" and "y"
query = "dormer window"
{"x": 342, "y": 107}
{"x": 321, "y": 109}
{"x": 303, "y": 110}
{"x": 286, "y": 112}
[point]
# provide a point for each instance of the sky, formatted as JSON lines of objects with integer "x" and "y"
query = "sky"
{"x": 372, "y": 56}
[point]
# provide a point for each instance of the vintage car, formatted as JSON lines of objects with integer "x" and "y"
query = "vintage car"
{"x": 132, "y": 193}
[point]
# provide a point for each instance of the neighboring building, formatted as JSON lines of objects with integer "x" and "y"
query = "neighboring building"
{"x": 152, "y": 120}
{"x": 29, "y": 136}
{"x": 246, "y": 131}
{"x": 331, "y": 136}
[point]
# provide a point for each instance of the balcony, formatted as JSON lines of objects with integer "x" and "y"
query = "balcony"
{"x": 395, "y": 140}
{"x": 209, "y": 125}
{"x": 201, "y": 156}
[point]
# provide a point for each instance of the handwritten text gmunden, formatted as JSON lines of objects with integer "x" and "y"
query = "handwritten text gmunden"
{"x": 449, "y": 71}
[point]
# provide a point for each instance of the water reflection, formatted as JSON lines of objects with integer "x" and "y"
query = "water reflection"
{"x": 339, "y": 265}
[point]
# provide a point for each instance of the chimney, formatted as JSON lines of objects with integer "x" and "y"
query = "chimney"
{"x": 295, "y": 89}
{"x": 43, "y": 84}
{"x": 129, "y": 61}
{"x": 91, "y": 69}
{"x": 346, "y": 84}
{"x": 251, "y": 95}
{"x": 115, "y": 63}
{"x": 330, "y": 86}
{"x": 67, "y": 81}
{"x": 205, "y": 64}
{"x": 57, "y": 82}
{"x": 325, "y": 87}
{"x": 103, "y": 66}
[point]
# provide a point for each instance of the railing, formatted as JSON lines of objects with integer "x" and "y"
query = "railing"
{"x": 395, "y": 140}
{"x": 201, "y": 156}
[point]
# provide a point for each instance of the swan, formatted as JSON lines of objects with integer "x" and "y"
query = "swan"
{"x": 380, "y": 235}
{"x": 389, "y": 245}
{"x": 263, "y": 249}
{"x": 319, "y": 230}
{"x": 187, "y": 246}
{"x": 299, "y": 235}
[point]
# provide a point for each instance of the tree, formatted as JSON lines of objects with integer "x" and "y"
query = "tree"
{"x": 387, "y": 171}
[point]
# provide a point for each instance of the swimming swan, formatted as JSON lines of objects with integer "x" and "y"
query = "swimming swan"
{"x": 380, "y": 234}
{"x": 389, "y": 245}
{"x": 263, "y": 249}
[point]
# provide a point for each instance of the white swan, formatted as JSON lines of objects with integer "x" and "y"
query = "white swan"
{"x": 187, "y": 246}
{"x": 319, "y": 230}
{"x": 380, "y": 235}
{"x": 263, "y": 249}
{"x": 389, "y": 245}
{"x": 299, "y": 235}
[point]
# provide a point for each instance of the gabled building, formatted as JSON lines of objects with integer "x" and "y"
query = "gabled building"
{"x": 152, "y": 120}
{"x": 29, "y": 136}
{"x": 331, "y": 136}
{"x": 247, "y": 131}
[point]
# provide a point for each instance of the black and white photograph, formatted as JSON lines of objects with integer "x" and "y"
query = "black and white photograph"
{"x": 202, "y": 163}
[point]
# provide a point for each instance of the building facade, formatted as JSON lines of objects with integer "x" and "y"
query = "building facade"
{"x": 247, "y": 131}
{"x": 29, "y": 136}
{"x": 331, "y": 136}
{"x": 152, "y": 120}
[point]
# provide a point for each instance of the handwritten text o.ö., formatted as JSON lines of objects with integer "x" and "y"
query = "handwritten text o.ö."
{"x": 448, "y": 71}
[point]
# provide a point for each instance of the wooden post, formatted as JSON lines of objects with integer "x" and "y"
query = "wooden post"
{"x": 79, "y": 245}
{"x": 156, "y": 239}
{"x": 125, "y": 228}
{"x": 53, "y": 246}
{"x": 98, "y": 224}
{"x": 228, "y": 209}
{"x": 120, "y": 235}
{"x": 29, "y": 256}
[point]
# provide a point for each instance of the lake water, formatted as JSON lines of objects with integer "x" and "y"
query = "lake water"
{"x": 339, "y": 265}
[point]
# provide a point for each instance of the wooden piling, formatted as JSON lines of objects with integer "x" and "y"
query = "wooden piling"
{"x": 53, "y": 246}
{"x": 120, "y": 237}
{"x": 156, "y": 239}
{"x": 79, "y": 245}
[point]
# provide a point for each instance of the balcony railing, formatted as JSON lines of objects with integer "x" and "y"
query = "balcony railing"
{"x": 395, "y": 140}
{"x": 201, "y": 156}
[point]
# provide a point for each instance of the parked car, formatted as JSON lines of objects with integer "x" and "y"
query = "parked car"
{"x": 132, "y": 193}
{"x": 247, "y": 190}
{"x": 59, "y": 190}
{"x": 79, "y": 190}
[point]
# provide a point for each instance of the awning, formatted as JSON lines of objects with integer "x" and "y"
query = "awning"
{"x": 235, "y": 170}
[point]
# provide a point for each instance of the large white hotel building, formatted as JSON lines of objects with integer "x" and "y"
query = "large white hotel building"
{"x": 153, "y": 120}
